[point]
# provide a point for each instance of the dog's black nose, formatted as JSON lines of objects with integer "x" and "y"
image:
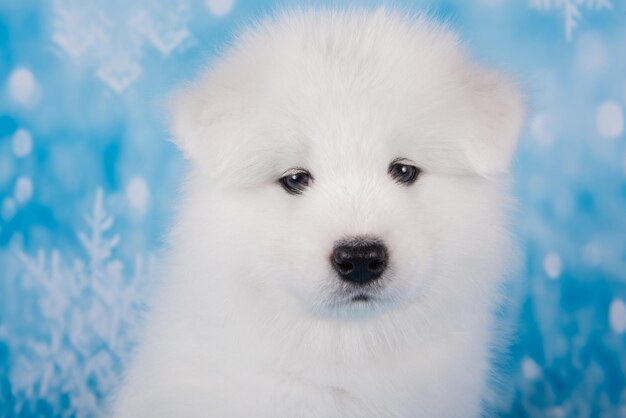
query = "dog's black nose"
{"x": 360, "y": 260}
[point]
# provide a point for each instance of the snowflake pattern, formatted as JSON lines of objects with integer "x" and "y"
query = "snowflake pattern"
{"x": 91, "y": 309}
{"x": 96, "y": 33}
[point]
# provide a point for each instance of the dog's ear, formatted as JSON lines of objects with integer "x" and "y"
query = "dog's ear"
{"x": 497, "y": 112}
{"x": 201, "y": 127}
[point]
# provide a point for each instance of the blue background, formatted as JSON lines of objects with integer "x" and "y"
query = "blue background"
{"x": 87, "y": 181}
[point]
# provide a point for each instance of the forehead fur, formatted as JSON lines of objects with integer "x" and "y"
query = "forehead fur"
{"x": 359, "y": 79}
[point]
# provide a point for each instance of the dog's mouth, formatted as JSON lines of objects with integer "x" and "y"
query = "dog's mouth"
{"x": 361, "y": 297}
{"x": 357, "y": 304}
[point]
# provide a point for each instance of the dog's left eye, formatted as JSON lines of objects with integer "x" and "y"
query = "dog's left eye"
{"x": 296, "y": 180}
{"x": 404, "y": 172}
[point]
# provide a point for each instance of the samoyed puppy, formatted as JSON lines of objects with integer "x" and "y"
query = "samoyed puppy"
{"x": 343, "y": 236}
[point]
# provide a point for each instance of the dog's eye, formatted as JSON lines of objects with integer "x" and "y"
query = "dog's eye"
{"x": 296, "y": 180}
{"x": 403, "y": 172}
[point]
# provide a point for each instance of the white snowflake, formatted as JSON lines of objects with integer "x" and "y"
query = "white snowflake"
{"x": 571, "y": 9}
{"x": 87, "y": 316}
{"x": 111, "y": 36}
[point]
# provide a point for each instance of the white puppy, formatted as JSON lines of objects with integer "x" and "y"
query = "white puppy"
{"x": 342, "y": 241}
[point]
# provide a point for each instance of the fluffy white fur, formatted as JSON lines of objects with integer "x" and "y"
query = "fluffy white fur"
{"x": 249, "y": 320}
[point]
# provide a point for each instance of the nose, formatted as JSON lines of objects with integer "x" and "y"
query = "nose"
{"x": 360, "y": 260}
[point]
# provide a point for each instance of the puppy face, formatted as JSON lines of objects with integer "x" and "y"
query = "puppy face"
{"x": 350, "y": 163}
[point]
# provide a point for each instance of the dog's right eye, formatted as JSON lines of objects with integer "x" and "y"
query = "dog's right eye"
{"x": 294, "y": 181}
{"x": 403, "y": 171}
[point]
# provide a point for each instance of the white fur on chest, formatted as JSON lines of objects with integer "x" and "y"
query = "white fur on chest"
{"x": 227, "y": 364}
